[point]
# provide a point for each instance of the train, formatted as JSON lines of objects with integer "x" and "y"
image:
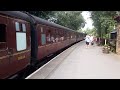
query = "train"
{"x": 26, "y": 39}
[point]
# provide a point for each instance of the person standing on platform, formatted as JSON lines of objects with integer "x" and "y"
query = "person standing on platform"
{"x": 91, "y": 40}
{"x": 87, "y": 40}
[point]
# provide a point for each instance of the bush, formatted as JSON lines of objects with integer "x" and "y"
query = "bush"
{"x": 106, "y": 49}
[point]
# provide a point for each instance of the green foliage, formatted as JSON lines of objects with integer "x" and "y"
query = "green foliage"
{"x": 106, "y": 36}
{"x": 42, "y": 14}
{"x": 91, "y": 31}
{"x": 70, "y": 19}
{"x": 103, "y": 22}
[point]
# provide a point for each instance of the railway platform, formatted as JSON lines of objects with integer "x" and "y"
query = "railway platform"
{"x": 79, "y": 62}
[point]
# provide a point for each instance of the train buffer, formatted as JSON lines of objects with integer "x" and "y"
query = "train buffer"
{"x": 79, "y": 62}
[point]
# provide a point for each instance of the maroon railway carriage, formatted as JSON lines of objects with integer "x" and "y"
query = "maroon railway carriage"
{"x": 26, "y": 39}
{"x": 52, "y": 37}
{"x": 14, "y": 43}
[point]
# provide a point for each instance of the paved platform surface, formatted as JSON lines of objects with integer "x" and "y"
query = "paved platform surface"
{"x": 79, "y": 62}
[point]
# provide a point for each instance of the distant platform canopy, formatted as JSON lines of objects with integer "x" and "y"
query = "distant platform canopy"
{"x": 113, "y": 34}
{"x": 114, "y": 31}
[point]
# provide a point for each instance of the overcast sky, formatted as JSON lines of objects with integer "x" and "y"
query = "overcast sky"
{"x": 88, "y": 20}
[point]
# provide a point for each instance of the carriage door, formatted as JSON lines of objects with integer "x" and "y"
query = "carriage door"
{"x": 4, "y": 58}
{"x": 17, "y": 48}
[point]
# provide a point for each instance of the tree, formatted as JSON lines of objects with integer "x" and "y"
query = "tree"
{"x": 70, "y": 19}
{"x": 90, "y": 31}
{"x": 42, "y": 14}
{"x": 104, "y": 22}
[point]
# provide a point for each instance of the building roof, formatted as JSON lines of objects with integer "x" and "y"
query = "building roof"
{"x": 114, "y": 31}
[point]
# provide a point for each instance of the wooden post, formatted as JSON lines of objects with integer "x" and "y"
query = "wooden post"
{"x": 105, "y": 41}
{"x": 118, "y": 39}
{"x": 117, "y": 18}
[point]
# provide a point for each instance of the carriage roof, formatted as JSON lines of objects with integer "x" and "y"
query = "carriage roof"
{"x": 25, "y": 16}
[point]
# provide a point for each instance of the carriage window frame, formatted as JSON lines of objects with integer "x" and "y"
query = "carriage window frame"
{"x": 20, "y": 31}
{"x": 23, "y": 27}
{"x": 17, "y": 26}
{"x": 43, "y": 39}
{"x": 20, "y": 27}
{"x": 4, "y": 42}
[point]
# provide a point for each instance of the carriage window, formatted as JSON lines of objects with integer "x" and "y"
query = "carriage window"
{"x": 2, "y": 36}
{"x": 41, "y": 29}
{"x": 48, "y": 36}
{"x": 23, "y": 27}
{"x": 43, "y": 37}
{"x": 17, "y": 26}
{"x": 2, "y": 33}
{"x": 21, "y": 42}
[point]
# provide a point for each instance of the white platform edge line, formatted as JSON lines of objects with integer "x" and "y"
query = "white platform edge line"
{"x": 44, "y": 65}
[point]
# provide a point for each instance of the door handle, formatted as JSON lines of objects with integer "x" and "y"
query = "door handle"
{"x": 10, "y": 51}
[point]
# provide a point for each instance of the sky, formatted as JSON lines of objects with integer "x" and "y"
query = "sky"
{"x": 86, "y": 15}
